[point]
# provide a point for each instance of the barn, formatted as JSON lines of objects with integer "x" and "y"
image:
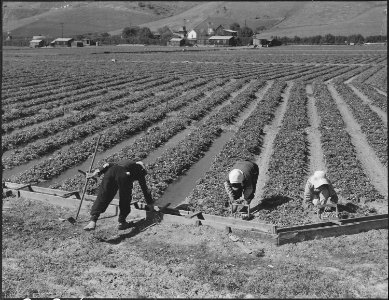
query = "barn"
{"x": 36, "y": 43}
{"x": 223, "y": 41}
{"x": 62, "y": 42}
{"x": 177, "y": 42}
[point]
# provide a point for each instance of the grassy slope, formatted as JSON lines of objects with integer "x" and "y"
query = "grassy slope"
{"x": 42, "y": 257}
{"x": 303, "y": 18}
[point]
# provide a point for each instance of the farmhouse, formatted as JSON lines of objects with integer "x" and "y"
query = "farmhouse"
{"x": 177, "y": 42}
{"x": 225, "y": 41}
{"x": 36, "y": 43}
{"x": 62, "y": 42}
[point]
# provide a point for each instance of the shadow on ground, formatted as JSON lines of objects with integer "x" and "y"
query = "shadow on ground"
{"x": 152, "y": 218}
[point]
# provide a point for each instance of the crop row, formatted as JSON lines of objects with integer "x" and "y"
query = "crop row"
{"x": 158, "y": 135}
{"x": 81, "y": 85}
{"x": 351, "y": 73}
{"x": 82, "y": 104}
{"x": 288, "y": 165}
{"x": 68, "y": 97}
{"x": 329, "y": 72}
{"x": 57, "y": 93}
{"x": 367, "y": 74}
{"x": 42, "y": 147}
{"x": 371, "y": 124}
{"x": 380, "y": 79}
{"x": 209, "y": 195}
{"x": 376, "y": 98}
{"x": 341, "y": 71}
{"x": 314, "y": 72}
{"x": 78, "y": 152}
{"x": 344, "y": 168}
{"x": 177, "y": 160}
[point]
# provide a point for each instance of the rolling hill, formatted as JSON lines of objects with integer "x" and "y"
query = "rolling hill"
{"x": 301, "y": 18}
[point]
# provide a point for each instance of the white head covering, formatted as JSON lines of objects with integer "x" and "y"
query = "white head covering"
{"x": 319, "y": 178}
{"x": 142, "y": 164}
{"x": 236, "y": 176}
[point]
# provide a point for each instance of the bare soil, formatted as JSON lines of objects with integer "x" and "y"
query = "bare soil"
{"x": 315, "y": 152}
{"x": 43, "y": 257}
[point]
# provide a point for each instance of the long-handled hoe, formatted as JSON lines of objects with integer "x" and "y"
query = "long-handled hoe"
{"x": 71, "y": 219}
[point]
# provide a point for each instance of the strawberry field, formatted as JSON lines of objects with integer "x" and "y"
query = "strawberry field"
{"x": 56, "y": 102}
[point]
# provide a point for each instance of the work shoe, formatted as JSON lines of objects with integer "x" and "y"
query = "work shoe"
{"x": 125, "y": 225}
{"x": 90, "y": 226}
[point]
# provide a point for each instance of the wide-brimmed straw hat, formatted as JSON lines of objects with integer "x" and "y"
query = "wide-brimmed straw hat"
{"x": 319, "y": 178}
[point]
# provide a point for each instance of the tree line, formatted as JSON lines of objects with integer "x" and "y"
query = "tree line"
{"x": 245, "y": 35}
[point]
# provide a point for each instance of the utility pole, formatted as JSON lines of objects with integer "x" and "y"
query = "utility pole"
{"x": 62, "y": 28}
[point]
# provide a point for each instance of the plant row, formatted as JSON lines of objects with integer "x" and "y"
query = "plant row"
{"x": 100, "y": 86}
{"x": 175, "y": 161}
{"x": 380, "y": 79}
{"x": 282, "y": 199}
{"x": 341, "y": 71}
{"x": 72, "y": 97}
{"x": 79, "y": 152}
{"x": 25, "y": 98}
{"x": 156, "y": 136}
{"x": 124, "y": 94}
{"x": 367, "y": 74}
{"x": 376, "y": 98}
{"x": 350, "y": 74}
{"x": 47, "y": 145}
{"x": 344, "y": 168}
{"x": 209, "y": 195}
{"x": 371, "y": 124}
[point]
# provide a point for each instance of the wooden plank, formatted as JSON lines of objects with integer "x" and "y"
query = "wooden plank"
{"x": 252, "y": 230}
{"x": 330, "y": 222}
{"x": 270, "y": 228}
{"x": 71, "y": 203}
{"x": 329, "y": 231}
{"x": 193, "y": 214}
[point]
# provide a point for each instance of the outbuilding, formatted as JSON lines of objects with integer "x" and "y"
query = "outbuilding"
{"x": 77, "y": 44}
{"x": 223, "y": 41}
{"x": 36, "y": 43}
{"x": 265, "y": 41}
{"x": 177, "y": 42}
{"x": 62, "y": 42}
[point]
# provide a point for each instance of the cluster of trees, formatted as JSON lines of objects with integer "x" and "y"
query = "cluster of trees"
{"x": 330, "y": 39}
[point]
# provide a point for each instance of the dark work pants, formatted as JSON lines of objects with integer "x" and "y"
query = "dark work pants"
{"x": 114, "y": 179}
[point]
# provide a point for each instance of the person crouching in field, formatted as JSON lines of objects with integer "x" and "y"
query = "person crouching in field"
{"x": 319, "y": 191}
{"x": 118, "y": 176}
{"x": 241, "y": 183}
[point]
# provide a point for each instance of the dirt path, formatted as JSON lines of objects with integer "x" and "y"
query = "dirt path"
{"x": 267, "y": 148}
{"x": 316, "y": 153}
{"x": 372, "y": 166}
{"x": 382, "y": 114}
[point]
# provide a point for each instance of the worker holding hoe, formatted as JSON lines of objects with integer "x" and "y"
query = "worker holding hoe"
{"x": 118, "y": 176}
{"x": 241, "y": 183}
{"x": 319, "y": 191}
